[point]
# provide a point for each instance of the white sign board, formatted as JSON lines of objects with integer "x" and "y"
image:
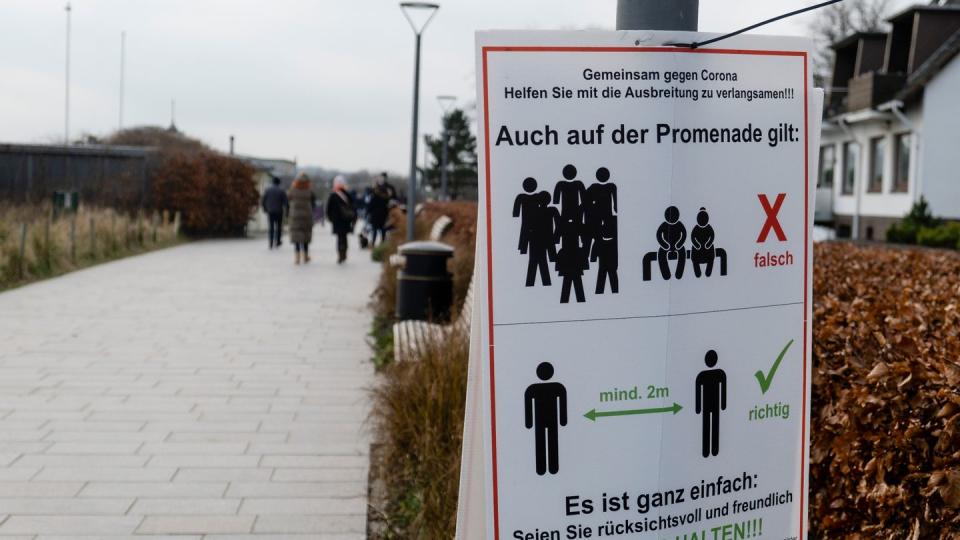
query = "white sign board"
{"x": 645, "y": 265}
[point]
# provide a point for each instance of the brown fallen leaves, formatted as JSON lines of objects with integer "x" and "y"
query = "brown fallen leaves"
{"x": 885, "y": 438}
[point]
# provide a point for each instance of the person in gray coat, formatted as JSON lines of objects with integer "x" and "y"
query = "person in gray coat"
{"x": 302, "y": 203}
{"x": 275, "y": 204}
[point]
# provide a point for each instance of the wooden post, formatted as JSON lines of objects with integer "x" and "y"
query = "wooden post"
{"x": 93, "y": 239}
{"x": 153, "y": 220}
{"x": 73, "y": 239}
{"x": 23, "y": 249}
{"x": 46, "y": 244}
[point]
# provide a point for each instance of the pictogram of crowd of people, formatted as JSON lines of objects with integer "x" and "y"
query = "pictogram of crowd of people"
{"x": 574, "y": 227}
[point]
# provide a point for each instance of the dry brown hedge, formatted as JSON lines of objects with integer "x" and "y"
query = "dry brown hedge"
{"x": 885, "y": 437}
{"x": 215, "y": 194}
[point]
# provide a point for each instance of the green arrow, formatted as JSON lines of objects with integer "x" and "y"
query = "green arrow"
{"x": 592, "y": 414}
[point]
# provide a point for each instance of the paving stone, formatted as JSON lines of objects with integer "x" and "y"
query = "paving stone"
{"x": 117, "y": 537}
{"x": 310, "y": 523}
{"x": 184, "y": 506}
{"x": 105, "y": 474}
{"x": 191, "y": 524}
{"x": 244, "y": 474}
{"x": 73, "y": 526}
{"x": 64, "y": 506}
{"x": 297, "y": 489}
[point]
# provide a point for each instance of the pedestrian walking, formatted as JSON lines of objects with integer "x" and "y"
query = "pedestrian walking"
{"x": 342, "y": 215}
{"x": 275, "y": 204}
{"x": 378, "y": 208}
{"x": 302, "y": 203}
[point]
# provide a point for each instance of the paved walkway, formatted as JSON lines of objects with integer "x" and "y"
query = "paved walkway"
{"x": 211, "y": 391}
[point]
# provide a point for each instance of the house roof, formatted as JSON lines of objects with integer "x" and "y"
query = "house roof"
{"x": 78, "y": 149}
{"x": 856, "y": 36}
{"x": 913, "y": 9}
{"x": 929, "y": 69}
{"x": 267, "y": 161}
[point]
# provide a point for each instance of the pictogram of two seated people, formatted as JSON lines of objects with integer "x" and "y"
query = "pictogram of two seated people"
{"x": 672, "y": 238}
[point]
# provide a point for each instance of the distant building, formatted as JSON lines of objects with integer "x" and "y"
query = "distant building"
{"x": 106, "y": 175}
{"x": 891, "y": 131}
{"x": 267, "y": 169}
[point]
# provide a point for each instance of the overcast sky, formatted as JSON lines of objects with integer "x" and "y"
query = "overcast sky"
{"x": 327, "y": 82}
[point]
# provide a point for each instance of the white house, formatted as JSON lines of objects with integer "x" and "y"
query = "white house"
{"x": 891, "y": 130}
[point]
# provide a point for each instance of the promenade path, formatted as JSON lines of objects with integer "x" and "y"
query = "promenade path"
{"x": 209, "y": 391}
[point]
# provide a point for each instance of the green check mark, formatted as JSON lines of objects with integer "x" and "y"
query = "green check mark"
{"x": 766, "y": 380}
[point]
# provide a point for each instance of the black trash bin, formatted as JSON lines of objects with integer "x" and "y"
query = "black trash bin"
{"x": 424, "y": 286}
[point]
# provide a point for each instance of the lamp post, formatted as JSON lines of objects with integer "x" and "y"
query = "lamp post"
{"x": 657, "y": 14}
{"x": 418, "y": 14}
{"x": 66, "y": 108}
{"x": 446, "y": 102}
{"x": 123, "y": 67}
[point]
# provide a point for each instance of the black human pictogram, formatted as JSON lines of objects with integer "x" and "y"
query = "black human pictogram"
{"x": 573, "y": 255}
{"x": 602, "y": 197}
{"x": 671, "y": 236}
{"x": 604, "y": 253}
{"x": 545, "y": 410}
{"x": 601, "y": 204}
{"x": 536, "y": 231}
{"x": 711, "y": 389}
{"x": 572, "y": 259}
{"x": 570, "y": 195}
{"x": 703, "y": 251}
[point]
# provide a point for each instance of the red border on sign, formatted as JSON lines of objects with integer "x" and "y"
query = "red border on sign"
{"x": 489, "y": 236}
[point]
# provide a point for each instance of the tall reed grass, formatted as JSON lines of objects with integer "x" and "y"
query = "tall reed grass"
{"x": 36, "y": 245}
{"x": 419, "y": 417}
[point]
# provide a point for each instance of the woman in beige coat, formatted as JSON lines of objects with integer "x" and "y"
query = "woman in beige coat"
{"x": 302, "y": 202}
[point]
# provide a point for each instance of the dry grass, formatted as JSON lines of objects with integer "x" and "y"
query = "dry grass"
{"x": 419, "y": 412}
{"x": 52, "y": 247}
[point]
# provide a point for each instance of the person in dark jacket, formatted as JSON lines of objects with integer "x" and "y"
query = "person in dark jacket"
{"x": 275, "y": 204}
{"x": 378, "y": 208}
{"x": 342, "y": 215}
{"x": 302, "y": 202}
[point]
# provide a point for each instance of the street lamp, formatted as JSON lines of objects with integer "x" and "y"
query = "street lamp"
{"x": 66, "y": 108}
{"x": 418, "y": 14}
{"x": 446, "y": 103}
{"x": 123, "y": 67}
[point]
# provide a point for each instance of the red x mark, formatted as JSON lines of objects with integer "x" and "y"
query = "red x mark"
{"x": 771, "y": 222}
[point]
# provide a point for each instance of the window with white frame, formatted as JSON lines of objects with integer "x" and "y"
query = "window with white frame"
{"x": 828, "y": 163}
{"x": 878, "y": 153}
{"x": 851, "y": 155}
{"x": 901, "y": 163}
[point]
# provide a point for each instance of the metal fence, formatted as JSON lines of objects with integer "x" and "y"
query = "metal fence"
{"x": 116, "y": 176}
